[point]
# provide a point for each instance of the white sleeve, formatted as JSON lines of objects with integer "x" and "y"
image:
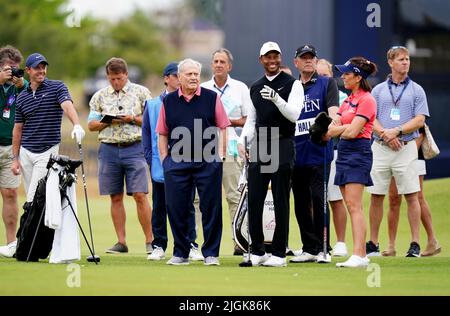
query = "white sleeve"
{"x": 294, "y": 106}
{"x": 249, "y": 126}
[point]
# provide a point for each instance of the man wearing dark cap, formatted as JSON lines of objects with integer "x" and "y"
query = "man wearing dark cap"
{"x": 37, "y": 129}
{"x": 151, "y": 152}
{"x": 321, "y": 95}
{"x": 277, "y": 100}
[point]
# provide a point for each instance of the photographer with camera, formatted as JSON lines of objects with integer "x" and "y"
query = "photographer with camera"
{"x": 37, "y": 129}
{"x": 12, "y": 83}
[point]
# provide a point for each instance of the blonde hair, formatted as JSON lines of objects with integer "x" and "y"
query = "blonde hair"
{"x": 394, "y": 51}
{"x": 327, "y": 64}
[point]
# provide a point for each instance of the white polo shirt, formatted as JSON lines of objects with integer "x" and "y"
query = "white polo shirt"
{"x": 235, "y": 97}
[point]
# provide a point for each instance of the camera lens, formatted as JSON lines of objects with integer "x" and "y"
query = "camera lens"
{"x": 17, "y": 72}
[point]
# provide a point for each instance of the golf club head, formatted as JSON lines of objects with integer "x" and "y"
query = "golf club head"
{"x": 246, "y": 263}
{"x": 93, "y": 258}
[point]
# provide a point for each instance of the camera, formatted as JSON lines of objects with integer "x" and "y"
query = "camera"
{"x": 17, "y": 72}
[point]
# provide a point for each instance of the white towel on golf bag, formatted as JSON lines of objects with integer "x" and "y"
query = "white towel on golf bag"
{"x": 53, "y": 211}
{"x": 66, "y": 241}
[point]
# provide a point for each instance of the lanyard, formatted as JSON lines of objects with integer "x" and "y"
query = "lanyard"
{"x": 401, "y": 93}
{"x": 221, "y": 91}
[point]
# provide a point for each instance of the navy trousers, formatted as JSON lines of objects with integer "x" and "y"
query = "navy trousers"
{"x": 159, "y": 217}
{"x": 180, "y": 179}
{"x": 308, "y": 190}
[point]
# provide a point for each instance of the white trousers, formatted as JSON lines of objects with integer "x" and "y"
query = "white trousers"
{"x": 34, "y": 168}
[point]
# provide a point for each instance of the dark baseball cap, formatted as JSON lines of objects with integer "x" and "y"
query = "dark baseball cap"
{"x": 35, "y": 59}
{"x": 306, "y": 49}
{"x": 171, "y": 69}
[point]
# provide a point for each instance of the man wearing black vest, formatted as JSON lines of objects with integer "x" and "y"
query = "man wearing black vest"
{"x": 321, "y": 95}
{"x": 277, "y": 103}
{"x": 187, "y": 127}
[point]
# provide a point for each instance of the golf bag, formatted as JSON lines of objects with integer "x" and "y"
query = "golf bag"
{"x": 34, "y": 238}
{"x": 31, "y": 223}
{"x": 240, "y": 221}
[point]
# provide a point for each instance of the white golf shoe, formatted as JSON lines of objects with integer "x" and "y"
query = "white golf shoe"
{"x": 258, "y": 260}
{"x": 9, "y": 250}
{"x": 340, "y": 249}
{"x": 323, "y": 259}
{"x": 178, "y": 261}
{"x": 211, "y": 261}
{"x": 275, "y": 261}
{"x": 195, "y": 254}
{"x": 157, "y": 254}
{"x": 354, "y": 262}
{"x": 304, "y": 257}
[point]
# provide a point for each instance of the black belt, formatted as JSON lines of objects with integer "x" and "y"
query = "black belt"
{"x": 127, "y": 144}
{"x": 383, "y": 143}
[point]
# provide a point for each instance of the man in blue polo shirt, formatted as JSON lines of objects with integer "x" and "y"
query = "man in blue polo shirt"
{"x": 401, "y": 111}
{"x": 37, "y": 128}
{"x": 151, "y": 153}
{"x": 321, "y": 95}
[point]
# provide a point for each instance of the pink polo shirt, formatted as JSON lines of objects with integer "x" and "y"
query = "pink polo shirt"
{"x": 221, "y": 117}
{"x": 360, "y": 104}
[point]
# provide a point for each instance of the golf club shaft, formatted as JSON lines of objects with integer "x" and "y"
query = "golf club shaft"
{"x": 79, "y": 224}
{"x": 248, "y": 204}
{"x": 325, "y": 250}
{"x": 85, "y": 195}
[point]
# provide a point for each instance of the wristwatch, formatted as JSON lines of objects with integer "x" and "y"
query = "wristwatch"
{"x": 14, "y": 157}
{"x": 133, "y": 120}
{"x": 400, "y": 130}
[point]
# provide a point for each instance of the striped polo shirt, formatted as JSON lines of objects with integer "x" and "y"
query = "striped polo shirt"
{"x": 408, "y": 99}
{"x": 41, "y": 114}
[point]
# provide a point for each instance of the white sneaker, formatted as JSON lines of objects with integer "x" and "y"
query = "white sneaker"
{"x": 258, "y": 260}
{"x": 9, "y": 250}
{"x": 321, "y": 259}
{"x": 340, "y": 249}
{"x": 297, "y": 252}
{"x": 211, "y": 261}
{"x": 178, "y": 261}
{"x": 157, "y": 254}
{"x": 275, "y": 261}
{"x": 304, "y": 257}
{"x": 195, "y": 254}
{"x": 354, "y": 262}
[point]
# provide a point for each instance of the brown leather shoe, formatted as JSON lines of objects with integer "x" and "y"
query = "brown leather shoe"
{"x": 431, "y": 250}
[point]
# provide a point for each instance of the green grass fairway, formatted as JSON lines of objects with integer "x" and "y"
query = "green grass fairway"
{"x": 132, "y": 274}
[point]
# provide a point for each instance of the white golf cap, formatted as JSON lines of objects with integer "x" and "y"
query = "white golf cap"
{"x": 269, "y": 46}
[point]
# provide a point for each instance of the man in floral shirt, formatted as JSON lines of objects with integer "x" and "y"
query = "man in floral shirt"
{"x": 120, "y": 153}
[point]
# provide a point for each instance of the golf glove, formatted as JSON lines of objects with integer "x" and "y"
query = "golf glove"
{"x": 269, "y": 94}
{"x": 78, "y": 133}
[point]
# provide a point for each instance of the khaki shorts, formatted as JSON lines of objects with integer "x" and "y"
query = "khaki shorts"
{"x": 7, "y": 179}
{"x": 421, "y": 167}
{"x": 399, "y": 164}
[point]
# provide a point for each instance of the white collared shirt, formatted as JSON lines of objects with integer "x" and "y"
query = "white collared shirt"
{"x": 235, "y": 97}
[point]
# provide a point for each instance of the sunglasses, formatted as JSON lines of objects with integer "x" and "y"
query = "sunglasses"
{"x": 397, "y": 47}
